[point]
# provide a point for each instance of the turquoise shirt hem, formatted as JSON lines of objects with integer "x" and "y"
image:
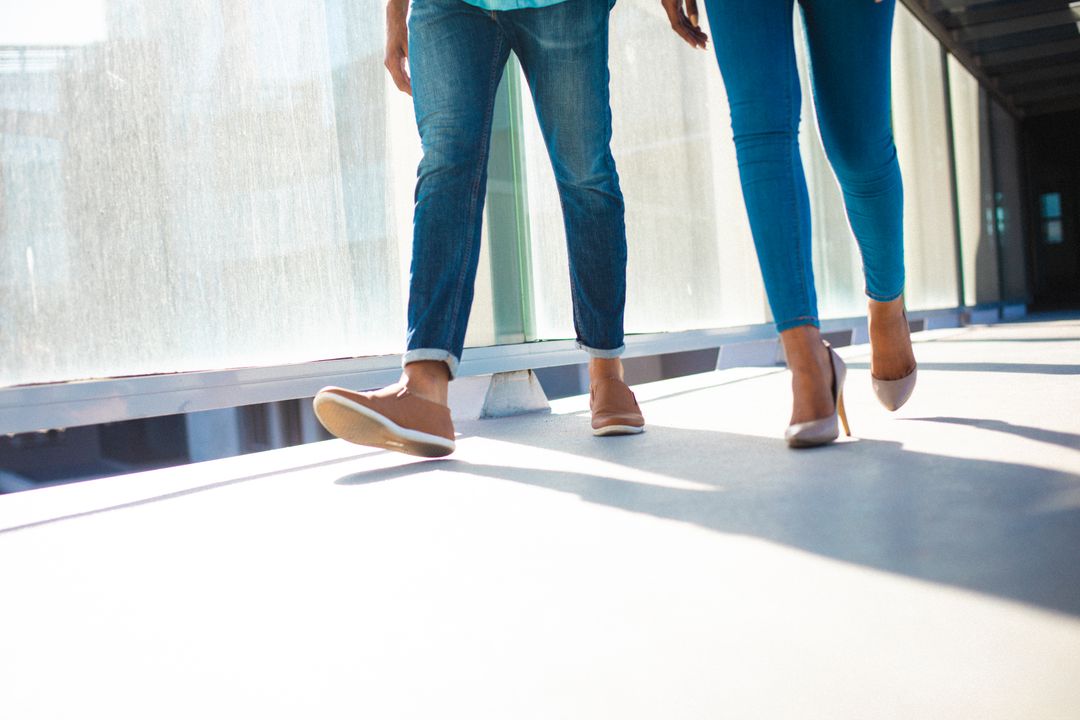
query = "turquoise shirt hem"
{"x": 512, "y": 4}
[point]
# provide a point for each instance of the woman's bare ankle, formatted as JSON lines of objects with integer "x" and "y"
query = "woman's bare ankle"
{"x": 891, "y": 355}
{"x": 811, "y": 373}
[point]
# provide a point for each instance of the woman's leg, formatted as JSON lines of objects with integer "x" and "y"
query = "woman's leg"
{"x": 849, "y": 44}
{"x": 754, "y": 44}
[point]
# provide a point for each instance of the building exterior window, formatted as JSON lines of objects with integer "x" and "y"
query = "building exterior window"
{"x": 1050, "y": 218}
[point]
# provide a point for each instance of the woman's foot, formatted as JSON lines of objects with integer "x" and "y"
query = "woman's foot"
{"x": 817, "y": 380}
{"x": 890, "y": 340}
{"x": 811, "y": 374}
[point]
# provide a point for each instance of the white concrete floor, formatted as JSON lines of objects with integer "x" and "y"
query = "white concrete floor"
{"x": 926, "y": 569}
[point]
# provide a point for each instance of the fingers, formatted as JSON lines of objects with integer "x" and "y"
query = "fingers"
{"x": 395, "y": 64}
{"x": 682, "y": 25}
{"x": 693, "y": 35}
{"x": 700, "y": 38}
{"x": 692, "y": 13}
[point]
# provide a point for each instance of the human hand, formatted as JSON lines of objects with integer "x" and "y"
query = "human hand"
{"x": 685, "y": 27}
{"x": 397, "y": 44}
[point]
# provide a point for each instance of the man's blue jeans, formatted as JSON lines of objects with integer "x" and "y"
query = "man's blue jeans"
{"x": 849, "y": 42}
{"x": 456, "y": 56}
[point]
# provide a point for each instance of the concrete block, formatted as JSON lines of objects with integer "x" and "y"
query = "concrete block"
{"x": 498, "y": 395}
{"x": 753, "y": 353}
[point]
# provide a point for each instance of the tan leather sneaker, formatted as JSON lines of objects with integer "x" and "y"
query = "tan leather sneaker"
{"x": 614, "y": 408}
{"x": 391, "y": 418}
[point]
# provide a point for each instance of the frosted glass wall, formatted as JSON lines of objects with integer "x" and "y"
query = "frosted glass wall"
{"x": 692, "y": 262}
{"x": 191, "y": 185}
{"x": 203, "y": 184}
{"x": 921, "y": 131}
{"x": 975, "y": 186}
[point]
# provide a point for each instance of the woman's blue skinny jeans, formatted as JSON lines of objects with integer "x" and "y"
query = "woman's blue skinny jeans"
{"x": 849, "y": 43}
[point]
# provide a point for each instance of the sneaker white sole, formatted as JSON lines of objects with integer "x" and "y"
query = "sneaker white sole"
{"x": 618, "y": 430}
{"x": 361, "y": 425}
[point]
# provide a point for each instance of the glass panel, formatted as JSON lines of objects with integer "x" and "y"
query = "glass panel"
{"x": 1052, "y": 232}
{"x": 191, "y": 185}
{"x": 1050, "y": 205}
{"x": 1009, "y": 206}
{"x": 691, "y": 257}
{"x": 971, "y": 142}
{"x": 919, "y": 118}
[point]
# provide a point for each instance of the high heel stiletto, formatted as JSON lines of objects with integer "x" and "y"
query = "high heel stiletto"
{"x": 894, "y": 393}
{"x": 823, "y": 430}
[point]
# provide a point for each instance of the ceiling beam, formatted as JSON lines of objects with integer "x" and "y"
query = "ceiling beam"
{"x": 1030, "y": 52}
{"x": 1031, "y": 96}
{"x": 959, "y": 5}
{"x": 997, "y": 12}
{"x": 1012, "y": 82}
{"x": 921, "y": 10}
{"x": 1053, "y": 106}
{"x": 1015, "y": 26}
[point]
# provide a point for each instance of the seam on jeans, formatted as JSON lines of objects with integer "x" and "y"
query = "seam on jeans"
{"x": 792, "y": 153}
{"x": 609, "y": 162}
{"x": 485, "y": 136}
{"x": 611, "y": 166}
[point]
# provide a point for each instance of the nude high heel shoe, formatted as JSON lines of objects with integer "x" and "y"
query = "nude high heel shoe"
{"x": 894, "y": 393}
{"x": 823, "y": 430}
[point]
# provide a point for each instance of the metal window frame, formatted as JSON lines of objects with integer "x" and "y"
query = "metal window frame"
{"x": 28, "y": 408}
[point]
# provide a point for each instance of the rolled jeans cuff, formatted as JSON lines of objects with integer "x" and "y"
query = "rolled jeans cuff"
{"x": 888, "y": 297}
{"x": 603, "y": 354}
{"x": 436, "y": 354}
{"x": 797, "y": 322}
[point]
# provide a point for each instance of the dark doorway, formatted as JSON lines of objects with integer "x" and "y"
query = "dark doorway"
{"x": 1053, "y": 144}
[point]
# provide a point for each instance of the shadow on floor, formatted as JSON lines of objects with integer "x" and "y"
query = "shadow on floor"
{"x": 1064, "y": 439}
{"x": 1030, "y": 368}
{"x": 997, "y": 528}
{"x": 1009, "y": 340}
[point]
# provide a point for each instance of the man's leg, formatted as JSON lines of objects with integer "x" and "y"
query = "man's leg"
{"x": 563, "y": 50}
{"x": 456, "y": 56}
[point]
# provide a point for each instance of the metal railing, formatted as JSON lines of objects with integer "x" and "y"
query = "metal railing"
{"x": 28, "y": 408}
